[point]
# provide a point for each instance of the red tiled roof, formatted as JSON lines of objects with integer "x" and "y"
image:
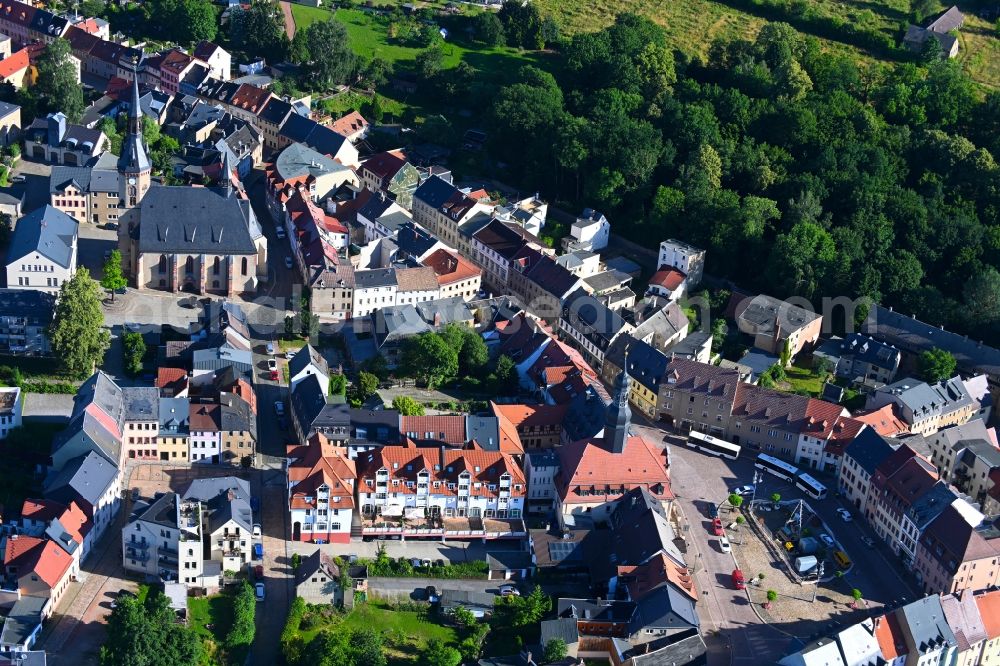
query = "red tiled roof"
{"x": 349, "y": 124}
{"x": 589, "y": 470}
{"x": 890, "y": 637}
{"x": 320, "y": 463}
{"x": 385, "y": 165}
{"x": 204, "y": 418}
{"x": 441, "y": 428}
{"x": 844, "y": 432}
{"x": 450, "y": 266}
{"x": 884, "y": 420}
{"x": 40, "y": 556}
{"x": 250, "y": 97}
{"x": 404, "y": 463}
{"x": 15, "y": 63}
{"x": 42, "y": 510}
{"x": 989, "y": 610}
{"x": 205, "y": 50}
{"x": 668, "y": 278}
{"x": 75, "y": 521}
{"x": 644, "y": 578}
{"x": 531, "y": 416}
{"x": 174, "y": 379}
{"x": 175, "y": 60}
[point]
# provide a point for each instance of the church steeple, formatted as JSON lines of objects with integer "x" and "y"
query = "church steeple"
{"x": 619, "y": 416}
{"x": 134, "y": 166}
{"x": 226, "y": 177}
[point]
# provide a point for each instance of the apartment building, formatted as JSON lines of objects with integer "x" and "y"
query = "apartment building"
{"x": 957, "y": 552}
{"x": 164, "y": 539}
{"x": 456, "y": 276}
{"x": 897, "y": 483}
{"x": 591, "y": 326}
{"x": 36, "y": 567}
{"x": 687, "y": 259}
{"x": 861, "y": 459}
{"x": 43, "y": 250}
{"x": 439, "y": 483}
{"x": 227, "y": 519}
{"x": 928, "y": 408}
{"x": 321, "y": 487}
{"x": 25, "y": 315}
{"x": 773, "y": 324}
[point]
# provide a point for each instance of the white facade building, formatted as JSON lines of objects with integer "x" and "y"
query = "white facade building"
{"x": 10, "y": 410}
{"x": 43, "y": 250}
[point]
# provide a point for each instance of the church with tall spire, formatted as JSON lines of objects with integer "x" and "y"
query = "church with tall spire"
{"x": 595, "y": 472}
{"x": 134, "y": 167}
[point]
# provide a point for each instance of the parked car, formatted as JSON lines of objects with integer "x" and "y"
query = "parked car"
{"x": 742, "y": 491}
{"x": 279, "y": 408}
{"x": 739, "y": 582}
{"x": 272, "y": 369}
{"x": 270, "y": 348}
{"x": 256, "y": 529}
{"x": 258, "y": 571}
{"x": 868, "y": 541}
{"x": 827, "y": 539}
{"x": 258, "y": 551}
{"x": 288, "y": 263}
{"x": 713, "y": 511}
{"x": 279, "y": 231}
{"x": 432, "y": 595}
{"x": 19, "y": 178}
{"x": 845, "y": 515}
{"x": 717, "y": 527}
{"x": 290, "y": 354}
{"x": 509, "y": 590}
{"x": 259, "y": 590}
{"x": 724, "y": 545}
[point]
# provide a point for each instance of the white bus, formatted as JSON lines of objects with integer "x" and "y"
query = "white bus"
{"x": 778, "y": 468}
{"x": 712, "y": 445}
{"x": 810, "y": 486}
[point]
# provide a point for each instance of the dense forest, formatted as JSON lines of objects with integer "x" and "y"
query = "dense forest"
{"x": 799, "y": 171}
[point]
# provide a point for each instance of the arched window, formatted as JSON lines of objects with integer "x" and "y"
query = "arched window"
{"x": 189, "y": 265}
{"x": 244, "y": 265}
{"x": 215, "y": 266}
{"x": 163, "y": 263}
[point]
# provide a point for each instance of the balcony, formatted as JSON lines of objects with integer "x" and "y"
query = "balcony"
{"x": 138, "y": 545}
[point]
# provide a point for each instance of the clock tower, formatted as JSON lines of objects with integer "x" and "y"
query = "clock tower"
{"x": 134, "y": 167}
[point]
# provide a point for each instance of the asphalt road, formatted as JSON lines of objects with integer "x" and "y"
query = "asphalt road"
{"x": 699, "y": 479}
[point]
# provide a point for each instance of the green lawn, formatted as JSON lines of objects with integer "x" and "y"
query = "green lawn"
{"x": 216, "y": 610}
{"x": 804, "y": 379}
{"x": 405, "y": 633}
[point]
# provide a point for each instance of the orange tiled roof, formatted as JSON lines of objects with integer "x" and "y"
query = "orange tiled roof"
{"x": 989, "y": 609}
{"x": 590, "y": 470}
{"x": 175, "y": 379}
{"x": 42, "y": 510}
{"x": 75, "y": 521}
{"x": 405, "y": 463}
{"x": 321, "y": 463}
{"x": 884, "y": 420}
{"x": 40, "y": 556}
{"x": 644, "y": 578}
{"x": 668, "y": 278}
{"x": 531, "y": 416}
{"x": 385, "y": 165}
{"x": 349, "y": 124}
{"x": 450, "y": 267}
{"x": 15, "y": 63}
{"x": 441, "y": 428}
{"x": 890, "y": 637}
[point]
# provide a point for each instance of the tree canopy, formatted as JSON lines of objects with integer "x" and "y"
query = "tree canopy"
{"x": 936, "y": 364}
{"x": 78, "y": 336}
{"x": 147, "y": 634}
{"x": 259, "y": 30}
{"x": 57, "y": 88}
{"x": 875, "y": 183}
{"x": 407, "y": 406}
{"x": 329, "y": 60}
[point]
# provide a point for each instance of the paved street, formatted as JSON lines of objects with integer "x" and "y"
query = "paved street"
{"x": 699, "y": 479}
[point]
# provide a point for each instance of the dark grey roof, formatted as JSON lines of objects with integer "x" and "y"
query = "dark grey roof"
{"x": 468, "y": 599}
{"x": 683, "y": 649}
{"x": 221, "y": 358}
{"x": 135, "y": 155}
{"x": 23, "y": 618}
{"x": 313, "y": 413}
{"x": 298, "y": 160}
{"x": 86, "y": 477}
{"x": 175, "y": 416}
{"x": 543, "y": 457}
{"x": 306, "y": 356}
{"x": 163, "y": 511}
{"x": 563, "y": 628}
{"x": 869, "y": 449}
{"x": 195, "y": 220}
{"x": 646, "y": 364}
{"x": 926, "y": 623}
{"x": 235, "y": 415}
{"x": 607, "y": 281}
{"x": 229, "y": 505}
{"x": 485, "y": 430}
{"x": 666, "y": 607}
{"x": 414, "y": 240}
{"x": 914, "y": 336}
{"x": 509, "y": 559}
{"x": 443, "y": 311}
{"x": 142, "y": 403}
{"x": 205, "y": 489}
{"x": 980, "y": 448}
{"x": 435, "y": 191}
{"x": 275, "y": 111}
{"x": 47, "y": 231}
{"x": 396, "y": 323}
{"x": 638, "y": 512}
{"x": 596, "y": 610}
{"x": 594, "y": 320}
{"x": 305, "y": 130}
{"x": 585, "y": 416}
{"x": 6, "y": 108}
{"x": 763, "y": 313}
{"x": 36, "y": 305}
{"x": 57, "y": 533}
{"x": 867, "y": 350}
{"x": 690, "y": 345}
{"x": 930, "y": 505}
{"x": 62, "y": 176}
{"x": 232, "y": 316}
{"x": 378, "y": 426}
{"x": 379, "y": 277}
{"x": 622, "y": 264}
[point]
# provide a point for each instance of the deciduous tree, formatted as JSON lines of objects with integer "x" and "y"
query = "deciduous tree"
{"x": 407, "y": 406}
{"x": 112, "y": 277}
{"x": 78, "y": 336}
{"x": 935, "y": 364}
{"x": 331, "y": 60}
{"x": 57, "y": 88}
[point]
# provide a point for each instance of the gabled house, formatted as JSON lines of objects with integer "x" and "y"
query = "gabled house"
{"x": 591, "y": 326}
{"x": 43, "y": 250}
{"x": 37, "y": 567}
{"x": 773, "y": 324}
{"x": 320, "y": 580}
{"x": 313, "y": 413}
{"x": 308, "y": 361}
{"x": 591, "y": 231}
{"x": 389, "y": 172}
{"x": 943, "y": 29}
{"x": 321, "y": 487}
